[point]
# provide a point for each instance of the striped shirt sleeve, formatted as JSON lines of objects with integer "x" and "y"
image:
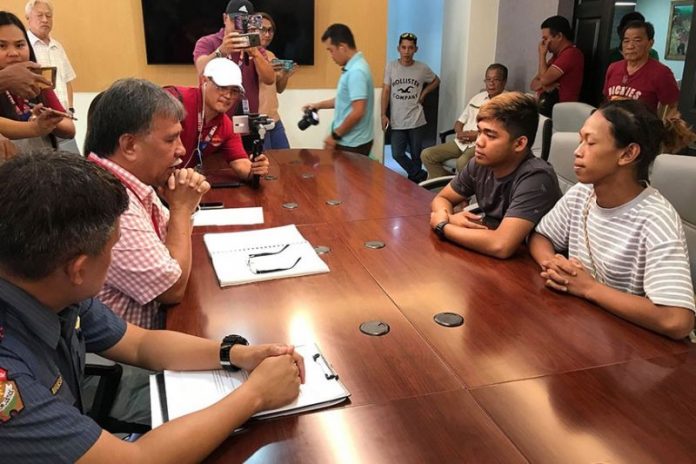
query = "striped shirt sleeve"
{"x": 555, "y": 225}
{"x": 667, "y": 280}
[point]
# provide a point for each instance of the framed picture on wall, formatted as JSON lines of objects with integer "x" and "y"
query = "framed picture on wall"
{"x": 680, "y": 14}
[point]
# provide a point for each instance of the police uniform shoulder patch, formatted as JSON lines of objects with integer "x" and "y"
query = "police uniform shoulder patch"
{"x": 10, "y": 399}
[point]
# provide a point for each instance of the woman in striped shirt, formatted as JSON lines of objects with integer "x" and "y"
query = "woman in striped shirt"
{"x": 624, "y": 242}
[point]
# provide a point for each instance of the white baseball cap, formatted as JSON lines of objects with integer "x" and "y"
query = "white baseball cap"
{"x": 224, "y": 72}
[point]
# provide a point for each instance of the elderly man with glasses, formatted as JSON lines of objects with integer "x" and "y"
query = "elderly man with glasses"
{"x": 463, "y": 145}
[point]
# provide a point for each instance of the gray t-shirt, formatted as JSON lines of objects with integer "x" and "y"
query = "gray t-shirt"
{"x": 407, "y": 83}
{"x": 528, "y": 193}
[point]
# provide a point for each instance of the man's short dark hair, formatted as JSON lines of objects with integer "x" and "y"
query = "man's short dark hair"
{"x": 408, "y": 36}
{"x": 646, "y": 26}
{"x": 558, "y": 25}
{"x": 627, "y": 18}
{"x": 517, "y": 112}
{"x": 500, "y": 68}
{"x": 55, "y": 206}
{"x": 339, "y": 34}
{"x": 127, "y": 107}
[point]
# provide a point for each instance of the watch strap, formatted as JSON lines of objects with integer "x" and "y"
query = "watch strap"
{"x": 226, "y": 346}
{"x": 439, "y": 229}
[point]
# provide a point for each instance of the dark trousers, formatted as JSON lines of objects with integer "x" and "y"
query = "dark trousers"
{"x": 363, "y": 149}
{"x": 413, "y": 139}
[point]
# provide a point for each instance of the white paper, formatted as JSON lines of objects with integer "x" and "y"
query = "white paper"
{"x": 232, "y": 255}
{"x": 188, "y": 392}
{"x": 228, "y": 217}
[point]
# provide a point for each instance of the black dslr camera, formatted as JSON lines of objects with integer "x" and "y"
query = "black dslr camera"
{"x": 255, "y": 126}
{"x": 309, "y": 118}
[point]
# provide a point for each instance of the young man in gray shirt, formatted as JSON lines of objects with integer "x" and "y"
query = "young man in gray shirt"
{"x": 406, "y": 83}
{"x": 514, "y": 189}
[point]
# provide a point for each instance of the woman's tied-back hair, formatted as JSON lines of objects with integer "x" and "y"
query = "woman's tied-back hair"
{"x": 631, "y": 121}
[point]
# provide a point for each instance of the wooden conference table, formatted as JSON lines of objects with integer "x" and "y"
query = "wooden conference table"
{"x": 531, "y": 375}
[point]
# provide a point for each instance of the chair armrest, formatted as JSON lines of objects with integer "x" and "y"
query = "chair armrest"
{"x": 436, "y": 183}
{"x": 444, "y": 134}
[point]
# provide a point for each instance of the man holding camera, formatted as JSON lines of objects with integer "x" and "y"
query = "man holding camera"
{"x": 242, "y": 47}
{"x": 206, "y": 129}
{"x": 351, "y": 129}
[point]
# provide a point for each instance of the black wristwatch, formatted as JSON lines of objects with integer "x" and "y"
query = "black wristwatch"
{"x": 439, "y": 229}
{"x": 335, "y": 136}
{"x": 227, "y": 343}
{"x": 218, "y": 53}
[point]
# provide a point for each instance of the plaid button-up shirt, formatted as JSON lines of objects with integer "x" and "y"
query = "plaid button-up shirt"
{"x": 141, "y": 266}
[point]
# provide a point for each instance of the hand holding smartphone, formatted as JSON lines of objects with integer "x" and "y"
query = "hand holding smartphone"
{"x": 45, "y": 109}
{"x": 48, "y": 73}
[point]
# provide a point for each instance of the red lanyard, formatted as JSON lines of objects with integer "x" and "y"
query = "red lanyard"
{"x": 129, "y": 186}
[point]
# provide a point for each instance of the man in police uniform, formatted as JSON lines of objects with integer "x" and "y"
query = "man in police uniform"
{"x": 54, "y": 255}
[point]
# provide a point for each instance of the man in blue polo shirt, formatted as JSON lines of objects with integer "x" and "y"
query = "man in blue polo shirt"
{"x": 352, "y": 128}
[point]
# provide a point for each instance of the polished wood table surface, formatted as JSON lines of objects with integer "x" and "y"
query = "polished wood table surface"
{"x": 531, "y": 375}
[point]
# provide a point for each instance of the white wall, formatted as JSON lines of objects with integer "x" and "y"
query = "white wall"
{"x": 469, "y": 31}
{"x": 519, "y": 26}
{"x": 291, "y": 103}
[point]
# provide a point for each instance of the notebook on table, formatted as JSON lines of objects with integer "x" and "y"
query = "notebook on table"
{"x": 264, "y": 254}
{"x": 174, "y": 394}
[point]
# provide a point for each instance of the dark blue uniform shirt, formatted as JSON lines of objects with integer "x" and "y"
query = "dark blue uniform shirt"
{"x": 42, "y": 355}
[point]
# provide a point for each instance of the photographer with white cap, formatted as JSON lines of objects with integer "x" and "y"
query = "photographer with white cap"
{"x": 207, "y": 129}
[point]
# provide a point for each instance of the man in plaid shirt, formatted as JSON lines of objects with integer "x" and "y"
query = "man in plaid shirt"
{"x": 134, "y": 129}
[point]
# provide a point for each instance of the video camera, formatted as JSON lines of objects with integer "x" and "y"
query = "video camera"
{"x": 255, "y": 126}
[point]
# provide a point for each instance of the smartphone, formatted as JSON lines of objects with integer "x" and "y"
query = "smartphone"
{"x": 286, "y": 64}
{"x": 48, "y": 73}
{"x": 51, "y": 110}
{"x": 253, "y": 39}
{"x": 211, "y": 205}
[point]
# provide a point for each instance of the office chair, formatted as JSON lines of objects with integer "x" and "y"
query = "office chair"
{"x": 109, "y": 374}
{"x": 561, "y": 157}
{"x": 436, "y": 184}
{"x": 673, "y": 176}
{"x": 570, "y": 116}
{"x": 542, "y": 141}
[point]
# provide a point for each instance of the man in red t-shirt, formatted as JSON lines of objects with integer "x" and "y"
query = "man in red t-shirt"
{"x": 564, "y": 70}
{"x": 638, "y": 76}
{"x": 206, "y": 128}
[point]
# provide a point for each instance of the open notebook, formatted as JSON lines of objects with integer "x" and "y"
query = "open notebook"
{"x": 264, "y": 254}
{"x": 175, "y": 394}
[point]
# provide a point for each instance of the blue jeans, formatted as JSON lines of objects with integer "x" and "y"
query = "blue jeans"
{"x": 413, "y": 138}
{"x": 276, "y": 139}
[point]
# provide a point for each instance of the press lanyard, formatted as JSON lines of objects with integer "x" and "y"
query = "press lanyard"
{"x": 129, "y": 186}
{"x": 201, "y": 144}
